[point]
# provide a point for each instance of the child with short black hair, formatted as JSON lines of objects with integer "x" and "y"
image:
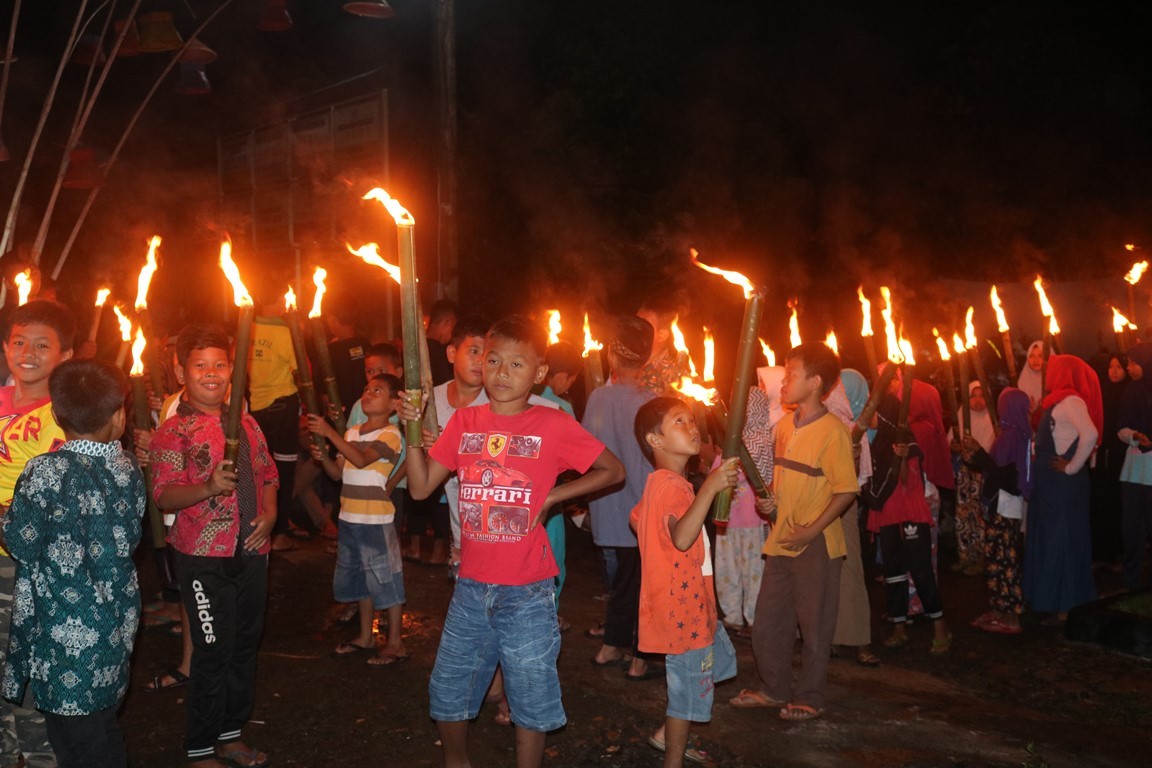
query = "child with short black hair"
{"x": 507, "y": 454}
{"x": 224, "y": 518}
{"x": 677, "y": 599}
{"x": 74, "y": 521}
{"x": 369, "y": 569}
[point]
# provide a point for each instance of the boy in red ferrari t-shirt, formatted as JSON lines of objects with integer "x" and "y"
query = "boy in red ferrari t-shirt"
{"x": 507, "y": 455}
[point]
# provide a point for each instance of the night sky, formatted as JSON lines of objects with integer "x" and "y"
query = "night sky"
{"x": 813, "y": 145}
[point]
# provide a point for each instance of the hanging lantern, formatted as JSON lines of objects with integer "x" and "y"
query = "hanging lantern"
{"x": 193, "y": 81}
{"x": 83, "y": 171}
{"x": 157, "y": 33}
{"x": 197, "y": 53}
{"x": 274, "y": 17}
{"x": 88, "y": 51}
{"x": 131, "y": 44}
{"x": 375, "y": 9}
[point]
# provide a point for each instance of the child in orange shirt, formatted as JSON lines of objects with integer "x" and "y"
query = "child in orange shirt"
{"x": 677, "y": 601}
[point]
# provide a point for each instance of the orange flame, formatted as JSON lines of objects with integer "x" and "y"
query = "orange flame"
{"x": 232, "y": 272}
{"x": 590, "y": 344}
{"x": 370, "y": 253}
{"x": 794, "y": 326}
{"x": 894, "y": 353}
{"x": 906, "y": 349}
{"x": 318, "y": 278}
{"x": 24, "y": 285}
{"x": 969, "y": 329}
{"x": 1119, "y": 321}
{"x": 138, "y": 354}
{"x": 733, "y": 277}
{"x": 866, "y": 313}
{"x": 290, "y": 300}
{"x": 942, "y": 346}
{"x": 125, "y": 324}
{"x": 1137, "y": 272}
{"x": 709, "y": 356}
{"x": 690, "y": 388}
{"x": 102, "y": 296}
{"x": 1045, "y": 307}
{"x": 554, "y": 326}
{"x": 1001, "y": 321}
{"x": 958, "y": 344}
{"x": 1131, "y": 246}
{"x": 768, "y": 353}
{"x": 146, "y": 273}
{"x": 681, "y": 346}
{"x": 831, "y": 342}
{"x": 398, "y": 212}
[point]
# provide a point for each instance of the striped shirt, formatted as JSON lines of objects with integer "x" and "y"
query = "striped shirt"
{"x": 363, "y": 498}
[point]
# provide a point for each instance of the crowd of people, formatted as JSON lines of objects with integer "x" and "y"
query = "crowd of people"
{"x": 1055, "y": 478}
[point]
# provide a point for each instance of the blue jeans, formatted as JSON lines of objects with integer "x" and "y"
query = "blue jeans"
{"x": 514, "y": 626}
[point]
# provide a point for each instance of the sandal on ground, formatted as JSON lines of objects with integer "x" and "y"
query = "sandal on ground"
{"x": 797, "y": 713}
{"x": 621, "y": 663}
{"x": 157, "y": 683}
{"x": 896, "y": 641}
{"x": 351, "y": 649}
{"x": 941, "y": 646}
{"x": 691, "y": 754}
{"x": 867, "y": 659}
{"x": 750, "y": 698}
{"x": 982, "y": 619}
{"x": 1000, "y": 628}
{"x": 388, "y": 659}
{"x": 649, "y": 674}
{"x": 243, "y": 758}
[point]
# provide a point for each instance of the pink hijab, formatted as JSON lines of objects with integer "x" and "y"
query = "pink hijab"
{"x": 926, "y": 420}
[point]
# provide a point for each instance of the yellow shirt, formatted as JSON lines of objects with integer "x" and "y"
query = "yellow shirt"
{"x": 812, "y": 463}
{"x": 272, "y": 362}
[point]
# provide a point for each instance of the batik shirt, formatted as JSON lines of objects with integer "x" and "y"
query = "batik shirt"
{"x": 185, "y": 450}
{"x": 74, "y": 522}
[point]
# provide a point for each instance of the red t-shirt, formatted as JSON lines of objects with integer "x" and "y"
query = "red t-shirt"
{"x": 507, "y": 465}
{"x": 677, "y": 606}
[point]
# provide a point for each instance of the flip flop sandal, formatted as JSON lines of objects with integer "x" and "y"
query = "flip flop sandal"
{"x": 691, "y": 754}
{"x": 750, "y": 698}
{"x": 1000, "y": 628}
{"x": 241, "y": 758}
{"x": 157, "y": 683}
{"x": 867, "y": 659}
{"x": 798, "y": 713}
{"x": 387, "y": 660}
{"x": 941, "y": 647}
{"x": 352, "y": 649}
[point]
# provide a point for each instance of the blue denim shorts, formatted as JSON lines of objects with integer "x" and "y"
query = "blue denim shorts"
{"x": 692, "y": 677}
{"x": 368, "y": 565}
{"x": 513, "y": 626}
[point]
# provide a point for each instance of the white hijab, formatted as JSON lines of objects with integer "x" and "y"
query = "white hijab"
{"x": 771, "y": 378}
{"x": 1030, "y": 381}
{"x": 982, "y": 430}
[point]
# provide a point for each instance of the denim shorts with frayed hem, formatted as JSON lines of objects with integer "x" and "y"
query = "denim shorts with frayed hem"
{"x": 513, "y": 626}
{"x": 368, "y": 564}
{"x": 692, "y": 678}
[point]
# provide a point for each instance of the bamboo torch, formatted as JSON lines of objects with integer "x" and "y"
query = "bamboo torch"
{"x": 240, "y": 358}
{"x": 949, "y": 378}
{"x": 125, "y": 336}
{"x": 867, "y": 335}
{"x": 303, "y": 370}
{"x": 1052, "y": 342}
{"x": 145, "y": 319}
{"x": 705, "y": 400}
{"x": 965, "y": 393}
{"x": 970, "y": 343}
{"x": 1005, "y": 334}
{"x": 1120, "y": 326}
{"x": 320, "y": 337}
{"x": 142, "y": 417}
{"x": 370, "y": 253}
{"x": 594, "y": 368}
{"x": 23, "y": 281}
{"x": 745, "y": 371}
{"x": 886, "y": 375}
{"x": 101, "y": 298}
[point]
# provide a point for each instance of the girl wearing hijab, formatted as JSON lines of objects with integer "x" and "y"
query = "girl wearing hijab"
{"x": 1058, "y": 560}
{"x": 1031, "y": 379}
{"x": 1135, "y": 421}
{"x": 1006, "y": 468}
{"x": 854, "y": 620}
{"x": 1107, "y": 544}
{"x": 969, "y": 508}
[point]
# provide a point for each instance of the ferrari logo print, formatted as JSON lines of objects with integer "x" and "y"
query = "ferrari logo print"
{"x": 496, "y": 445}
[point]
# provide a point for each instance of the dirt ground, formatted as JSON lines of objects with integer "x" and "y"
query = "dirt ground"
{"x": 1029, "y": 700}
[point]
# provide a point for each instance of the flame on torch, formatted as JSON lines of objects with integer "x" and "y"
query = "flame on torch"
{"x": 1001, "y": 321}
{"x": 768, "y": 353}
{"x": 138, "y": 353}
{"x": 793, "y": 326}
{"x": 865, "y": 311}
{"x": 290, "y": 300}
{"x": 1131, "y": 246}
{"x": 733, "y": 277}
{"x": 554, "y": 326}
{"x": 894, "y": 352}
{"x": 102, "y": 296}
{"x": 146, "y": 273}
{"x": 24, "y": 285}
{"x": 125, "y": 324}
{"x": 232, "y": 272}
{"x": 590, "y": 344}
{"x": 681, "y": 346}
{"x": 942, "y": 346}
{"x": 906, "y": 349}
{"x": 958, "y": 344}
{"x": 709, "y": 356}
{"x": 1045, "y": 307}
{"x": 370, "y": 253}
{"x": 318, "y": 278}
{"x": 1119, "y": 322}
{"x": 398, "y": 212}
{"x": 1137, "y": 272}
{"x": 690, "y": 388}
{"x": 831, "y": 342}
{"x": 969, "y": 329}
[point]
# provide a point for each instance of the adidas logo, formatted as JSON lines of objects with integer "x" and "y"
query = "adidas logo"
{"x": 203, "y": 614}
